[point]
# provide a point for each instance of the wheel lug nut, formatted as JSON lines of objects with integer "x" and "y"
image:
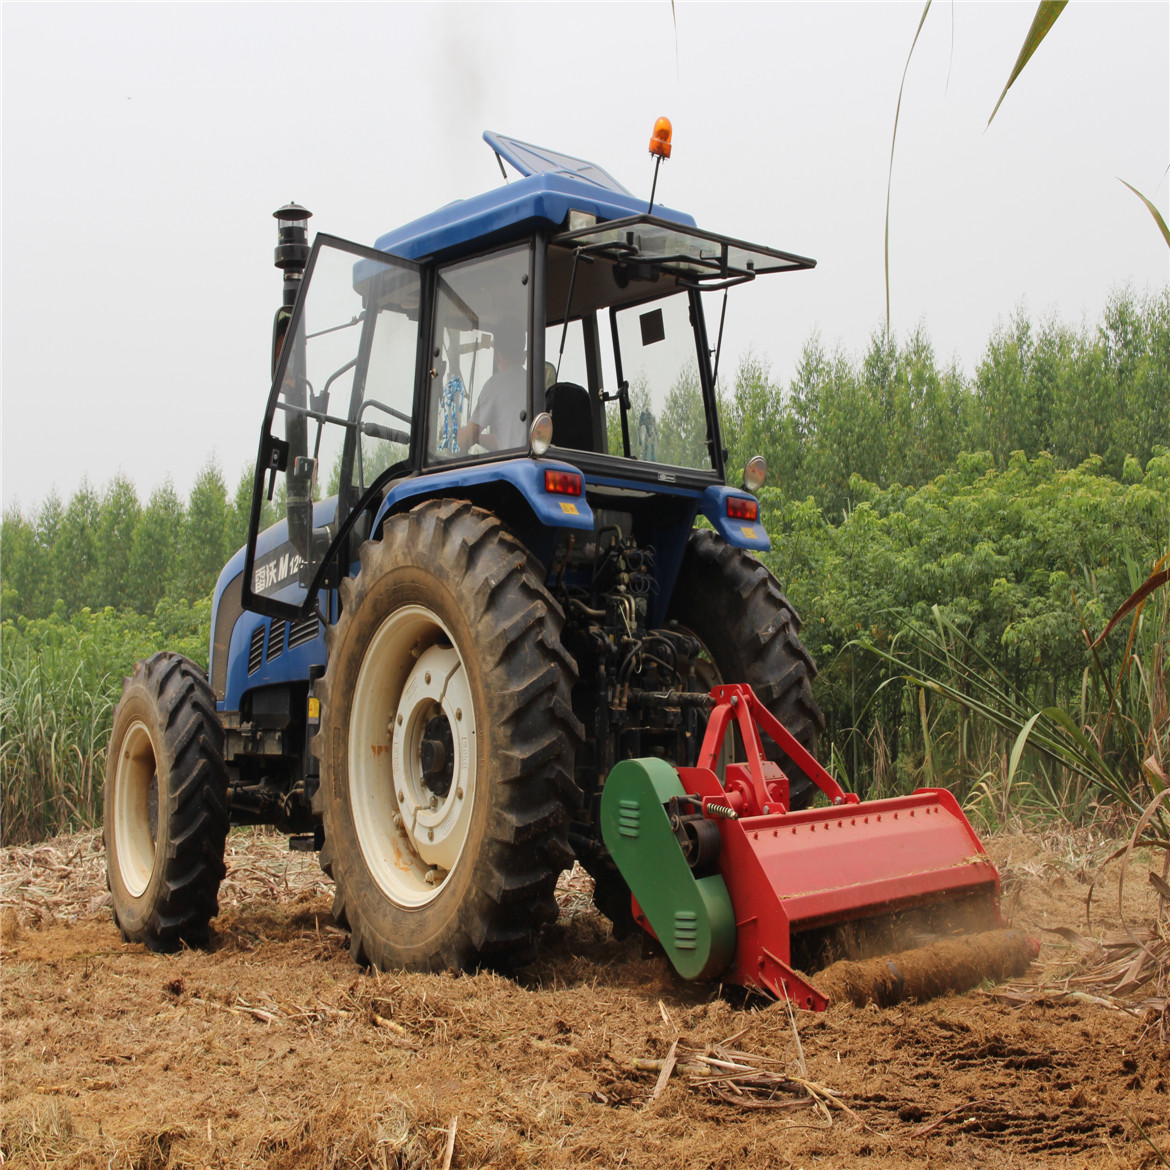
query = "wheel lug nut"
{"x": 401, "y": 797}
{"x": 427, "y": 677}
{"x": 397, "y": 821}
{"x": 430, "y": 878}
{"x": 430, "y": 834}
{"x": 399, "y": 720}
{"x": 458, "y": 712}
{"x": 458, "y": 793}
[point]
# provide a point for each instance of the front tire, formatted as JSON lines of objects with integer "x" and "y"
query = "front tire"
{"x": 446, "y": 746}
{"x": 166, "y": 814}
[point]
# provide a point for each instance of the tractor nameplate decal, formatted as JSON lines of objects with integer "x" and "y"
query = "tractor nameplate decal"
{"x": 569, "y": 509}
{"x": 749, "y": 532}
{"x": 278, "y": 568}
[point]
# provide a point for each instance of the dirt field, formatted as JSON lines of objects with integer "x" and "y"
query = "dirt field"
{"x": 274, "y": 1050}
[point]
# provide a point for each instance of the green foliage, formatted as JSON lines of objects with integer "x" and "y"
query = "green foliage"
{"x": 26, "y": 563}
{"x": 1011, "y": 560}
{"x": 74, "y": 553}
{"x": 754, "y": 421}
{"x": 1109, "y": 746}
{"x": 59, "y": 681}
{"x": 682, "y": 426}
{"x": 897, "y": 417}
{"x": 241, "y": 511}
{"x": 1079, "y": 393}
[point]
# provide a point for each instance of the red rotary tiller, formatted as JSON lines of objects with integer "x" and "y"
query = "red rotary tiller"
{"x": 738, "y": 887}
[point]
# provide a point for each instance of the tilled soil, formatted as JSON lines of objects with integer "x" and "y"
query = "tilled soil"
{"x": 273, "y": 1050}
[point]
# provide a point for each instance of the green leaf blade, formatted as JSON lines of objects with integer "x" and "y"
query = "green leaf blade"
{"x": 893, "y": 141}
{"x": 1046, "y": 13}
{"x": 1153, "y": 211}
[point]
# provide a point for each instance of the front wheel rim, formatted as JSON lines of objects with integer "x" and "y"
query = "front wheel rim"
{"x": 412, "y": 756}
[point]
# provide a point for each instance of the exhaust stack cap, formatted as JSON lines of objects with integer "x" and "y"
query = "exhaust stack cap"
{"x": 292, "y": 238}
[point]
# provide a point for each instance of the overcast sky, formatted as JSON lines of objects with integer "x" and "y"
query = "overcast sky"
{"x": 145, "y": 147}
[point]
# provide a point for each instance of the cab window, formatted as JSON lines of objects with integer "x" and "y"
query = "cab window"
{"x": 478, "y": 399}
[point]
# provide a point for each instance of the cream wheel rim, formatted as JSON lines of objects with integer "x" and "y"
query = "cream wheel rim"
{"x": 412, "y": 756}
{"x": 134, "y": 832}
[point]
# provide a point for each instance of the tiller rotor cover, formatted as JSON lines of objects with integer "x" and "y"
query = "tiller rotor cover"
{"x": 737, "y": 887}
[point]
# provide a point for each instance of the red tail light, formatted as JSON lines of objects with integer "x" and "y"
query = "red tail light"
{"x": 742, "y": 508}
{"x": 563, "y": 483}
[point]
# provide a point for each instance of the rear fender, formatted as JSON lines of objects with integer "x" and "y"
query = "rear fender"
{"x": 738, "y": 533}
{"x": 522, "y": 479}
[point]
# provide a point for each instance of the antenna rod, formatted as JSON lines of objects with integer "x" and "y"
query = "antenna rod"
{"x": 654, "y": 185}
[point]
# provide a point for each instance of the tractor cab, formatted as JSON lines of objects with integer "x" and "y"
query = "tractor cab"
{"x": 558, "y": 320}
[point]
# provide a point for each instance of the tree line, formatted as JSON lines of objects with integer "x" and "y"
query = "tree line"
{"x": 899, "y": 417}
{"x": 894, "y": 417}
{"x": 106, "y": 548}
{"x": 1019, "y": 506}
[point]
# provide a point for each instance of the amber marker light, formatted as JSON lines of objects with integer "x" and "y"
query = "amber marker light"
{"x": 660, "y": 139}
{"x": 660, "y": 149}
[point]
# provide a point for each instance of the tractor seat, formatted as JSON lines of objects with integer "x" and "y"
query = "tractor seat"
{"x": 572, "y": 415}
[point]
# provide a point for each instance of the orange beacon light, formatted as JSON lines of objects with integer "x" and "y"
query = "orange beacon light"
{"x": 660, "y": 139}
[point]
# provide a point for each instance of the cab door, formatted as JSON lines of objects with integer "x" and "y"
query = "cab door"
{"x": 340, "y": 420}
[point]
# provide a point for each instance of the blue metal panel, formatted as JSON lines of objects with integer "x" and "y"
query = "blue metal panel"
{"x": 510, "y": 212}
{"x": 238, "y": 680}
{"x": 525, "y": 475}
{"x": 648, "y": 486}
{"x": 230, "y": 570}
{"x": 290, "y": 666}
{"x": 740, "y": 533}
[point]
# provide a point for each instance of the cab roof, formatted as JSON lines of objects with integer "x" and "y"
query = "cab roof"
{"x": 552, "y": 185}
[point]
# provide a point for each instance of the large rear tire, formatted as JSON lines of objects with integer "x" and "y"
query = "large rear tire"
{"x": 446, "y": 746}
{"x": 166, "y": 812}
{"x": 734, "y": 605}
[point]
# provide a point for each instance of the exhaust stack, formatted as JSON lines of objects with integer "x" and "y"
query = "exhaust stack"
{"x": 291, "y": 256}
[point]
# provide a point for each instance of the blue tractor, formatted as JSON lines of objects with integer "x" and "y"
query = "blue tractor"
{"x": 494, "y": 550}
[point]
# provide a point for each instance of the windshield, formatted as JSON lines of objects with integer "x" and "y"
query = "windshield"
{"x": 632, "y": 360}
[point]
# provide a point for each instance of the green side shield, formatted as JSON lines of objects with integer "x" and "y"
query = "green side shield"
{"x": 692, "y": 917}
